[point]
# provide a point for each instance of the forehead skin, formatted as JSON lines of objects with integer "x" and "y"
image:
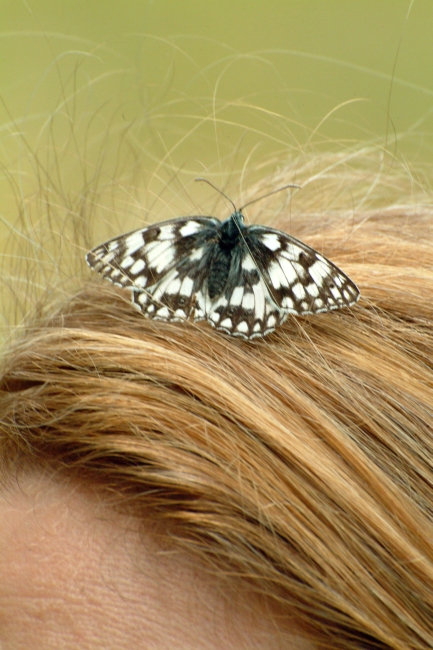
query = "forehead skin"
{"x": 70, "y": 579}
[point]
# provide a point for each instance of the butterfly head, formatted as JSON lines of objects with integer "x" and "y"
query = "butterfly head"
{"x": 238, "y": 218}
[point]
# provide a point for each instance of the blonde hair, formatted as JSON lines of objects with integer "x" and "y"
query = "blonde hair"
{"x": 301, "y": 463}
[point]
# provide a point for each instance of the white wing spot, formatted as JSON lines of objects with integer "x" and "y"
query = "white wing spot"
{"x": 319, "y": 271}
{"x": 298, "y": 290}
{"x": 103, "y": 256}
{"x": 196, "y": 255}
{"x": 271, "y": 321}
{"x": 248, "y": 264}
{"x": 140, "y": 281}
{"x": 157, "y": 251}
{"x": 160, "y": 288}
{"x": 278, "y": 279}
{"x": 215, "y": 316}
{"x": 287, "y": 303}
{"x": 221, "y": 302}
{"x": 248, "y": 301}
{"x": 300, "y": 270}
{"x": 127, "y": 262}
{"x": 164, "y": 260}
{"x": 291, "y": 252}
{"x": 270, "y": 307}
{"x": 336, "y": 293}
{"x": 150, "y": 246}
{"x": 167, "y": 232}
{"x": 259, "y": 299}
{"x": 201, "y": 302}
{"x": 288, "y": 270}
{"x": 271, "y": 241}
{"x": 173, "y": 287}
{"x": 133, "y": 242}
{"x": 227, "y": 323}
{"x": 243, "y": 327}
{"x": 163, "y": 312}
{"x": 137, "y": 267}
{"x": 186, "y": 287}
{"x": 190, "y": 228}
{"x": 312, "y": 290}
{"x": 236, "y": 297}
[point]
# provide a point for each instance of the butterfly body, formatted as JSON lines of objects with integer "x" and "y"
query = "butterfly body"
{"x": 225, "y": 255}
{"x": 244, "y": 280}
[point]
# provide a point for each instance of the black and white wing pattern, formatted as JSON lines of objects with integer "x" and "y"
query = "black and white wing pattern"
{"x": 244, "y": 280}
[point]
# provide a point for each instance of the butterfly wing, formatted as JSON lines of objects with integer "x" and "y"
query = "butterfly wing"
{"x": 299, "y": 279}
{"x": 163, "y": 264}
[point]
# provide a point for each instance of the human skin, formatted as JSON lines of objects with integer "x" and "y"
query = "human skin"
{"x": 74, "y": 574}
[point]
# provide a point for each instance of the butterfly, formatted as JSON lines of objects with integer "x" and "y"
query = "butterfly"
{"x": 243, "y": 279}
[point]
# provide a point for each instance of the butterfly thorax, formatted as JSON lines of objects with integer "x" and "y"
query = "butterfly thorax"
{"x": 229, "y": 235}
{"x": 231, "y": 228}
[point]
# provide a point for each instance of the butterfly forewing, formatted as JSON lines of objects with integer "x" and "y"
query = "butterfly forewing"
{"x": 143, "y": 257}
{"x": 163, "y": 264}
{"x": 299, "y": 279}
{"x": 243, "y": 280}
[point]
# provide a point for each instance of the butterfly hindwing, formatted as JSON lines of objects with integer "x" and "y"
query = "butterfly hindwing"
{"x": 174, "y": 297}
{"x": 245, "y": 309}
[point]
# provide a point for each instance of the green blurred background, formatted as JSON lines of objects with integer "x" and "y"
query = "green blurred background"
{"x": 142, "y": 93}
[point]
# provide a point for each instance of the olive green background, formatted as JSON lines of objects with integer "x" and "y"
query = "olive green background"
{"x": 100, "y": 88}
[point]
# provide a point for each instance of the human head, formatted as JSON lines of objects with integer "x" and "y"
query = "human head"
{"x": 294, "y": 471}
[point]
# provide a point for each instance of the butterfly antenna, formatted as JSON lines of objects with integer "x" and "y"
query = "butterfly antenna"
{"x": 280, "y": 189}
{"x": 205, "y": 180}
